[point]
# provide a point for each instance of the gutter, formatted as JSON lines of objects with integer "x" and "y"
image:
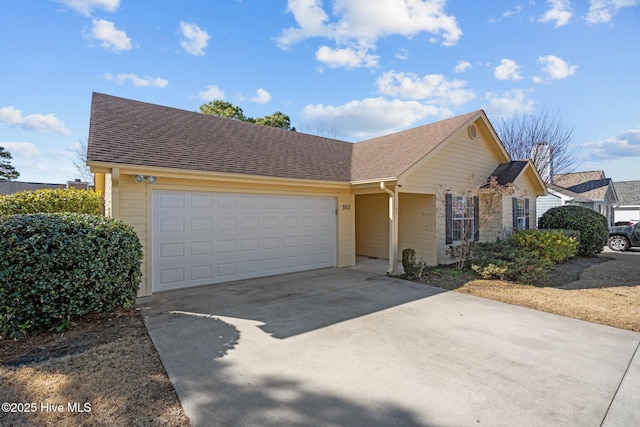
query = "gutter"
{"x": 393, "y": 228}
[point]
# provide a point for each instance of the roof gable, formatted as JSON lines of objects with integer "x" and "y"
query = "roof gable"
{"x": 509, "y": 173}
{"x": 592, "y": 185}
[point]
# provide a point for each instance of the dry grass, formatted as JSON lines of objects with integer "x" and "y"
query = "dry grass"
{"x": 123, "y": 381}
{"x": 613, "y": 306}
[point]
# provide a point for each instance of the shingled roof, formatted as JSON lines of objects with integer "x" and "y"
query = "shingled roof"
{"x": 591, "y": 185}
{"x": 628, "y": 192}
{"x": 128, "y": 132}
{"x": 391, "y": 155}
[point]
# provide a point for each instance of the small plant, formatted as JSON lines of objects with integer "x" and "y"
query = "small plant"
{"x": 504, "y": 260}
{"x": 592, "y": 226}
{"x": 553, "y": 245}
{"x": 413, "y": 269}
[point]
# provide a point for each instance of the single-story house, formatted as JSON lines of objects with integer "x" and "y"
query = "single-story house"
{"x": 11, "y": 187}
{"x": 214, "y": 199}
{"x": 628, "y": 201}
{"x": 588, "y": 189}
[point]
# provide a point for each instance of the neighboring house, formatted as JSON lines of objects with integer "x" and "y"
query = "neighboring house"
{"x": 10, "y": 187}
{"x": 628, "y": 201}
{"x": 214, "y": 199}
{"x": 589, "y": 189}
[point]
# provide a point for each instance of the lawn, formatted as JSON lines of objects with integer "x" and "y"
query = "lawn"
{"x": 110, "y": 362}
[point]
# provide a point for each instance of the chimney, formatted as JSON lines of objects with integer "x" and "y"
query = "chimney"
{"x": 542, "y": 156}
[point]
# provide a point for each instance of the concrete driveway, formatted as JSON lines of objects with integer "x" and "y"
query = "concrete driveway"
{"x": 344, "y": 347}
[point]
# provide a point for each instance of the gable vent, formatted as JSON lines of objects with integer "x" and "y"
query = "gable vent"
{"x": 472, "y": 131}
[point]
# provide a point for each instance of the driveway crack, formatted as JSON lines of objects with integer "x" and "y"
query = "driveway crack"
{"x": 620, "y": 384}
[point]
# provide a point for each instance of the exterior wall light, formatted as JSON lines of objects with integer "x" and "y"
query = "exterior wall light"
{"x": 140, "y": 178}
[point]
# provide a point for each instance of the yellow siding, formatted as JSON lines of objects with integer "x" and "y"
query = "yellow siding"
{"x": 135, "y": 205}
{"x": 461, "y": 164}
{"x": 372, "y": 225}
{"x": 417, "y": 226}
{"x": 523, "y": 189}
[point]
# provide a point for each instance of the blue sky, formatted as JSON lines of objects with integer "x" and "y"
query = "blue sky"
{"x": 346, "y": 69}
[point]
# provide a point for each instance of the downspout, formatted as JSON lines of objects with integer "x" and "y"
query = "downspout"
{"x": 393, "y": 229}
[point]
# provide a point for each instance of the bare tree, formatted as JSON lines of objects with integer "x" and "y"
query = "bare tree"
{"x": 469, "y": 209}
{"x": 80, "y": 162}
{"x": 542, "y": 138}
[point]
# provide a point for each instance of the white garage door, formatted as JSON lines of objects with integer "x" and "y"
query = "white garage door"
{"x": 202, "y": 238}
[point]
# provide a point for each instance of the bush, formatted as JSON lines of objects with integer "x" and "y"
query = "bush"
{"x": 413, "y": 269}
{"x": 553, "y": 245}
{"x": 50, "y": 201}
{"x": 55, "y": 267}
{"x": 592, "y": 226}
{"x": 505, "y": 260}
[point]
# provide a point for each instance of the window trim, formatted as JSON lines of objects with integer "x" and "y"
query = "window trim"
{"x": 449, "y": 217}
{"x": 519, "y": 213}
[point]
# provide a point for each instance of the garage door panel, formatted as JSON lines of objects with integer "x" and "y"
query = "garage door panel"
{"x": 204, "y": 238}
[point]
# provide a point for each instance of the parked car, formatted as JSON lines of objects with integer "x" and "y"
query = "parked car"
{"x": 623, "y": 237}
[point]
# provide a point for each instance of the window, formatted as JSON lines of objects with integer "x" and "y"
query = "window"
{"x": 520, "y": 213}
{"x": 461, "y": 218}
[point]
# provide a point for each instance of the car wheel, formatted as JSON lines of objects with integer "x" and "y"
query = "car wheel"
{"x": 618, "y": 243}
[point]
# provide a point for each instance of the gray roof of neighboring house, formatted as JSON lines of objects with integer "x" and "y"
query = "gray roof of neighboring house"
{"x": 10, "y": 187}
{"x": 575, "y": 196}
{"x": 128, "y": 132}
{"x": 628, "y": 192}
{"x": 591, "y": 185}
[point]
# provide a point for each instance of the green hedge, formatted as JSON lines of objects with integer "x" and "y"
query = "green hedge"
{"x": 593, "y": 227}
{"x": 55, "y": 267}
{"x": 50, "y": 201}
{"x": 505, "y": 260}
{"x": 554, "y": 245}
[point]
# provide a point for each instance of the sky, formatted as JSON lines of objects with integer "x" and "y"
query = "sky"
{"x": 344, "y": 69}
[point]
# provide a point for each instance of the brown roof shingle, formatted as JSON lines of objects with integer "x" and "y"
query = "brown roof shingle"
{"x": 390, "y": 155}
{"x": 128, "y": 132}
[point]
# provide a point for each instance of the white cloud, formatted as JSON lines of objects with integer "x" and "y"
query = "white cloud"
{"x": 212, "y": 92}
{"x": 21, "y": 149}
{"x": 519, "y": 7}
{"x": 602, "y": 11}
{"x": 366, "y": 118}
{"x": 402, "y": 54}
{"x": 194, "y": 39}
{"x": 507, "y": 70}
{"x": 434, "y": 88}
{"x": 262, "y": 97}
{"x": 137, "y": 81}
{"x": 86, "y": 7}
{"x": 559, "y": 13}
{"x": 624, "y": 145}
{"x": 110, "y": 37}
{"x": 556, "y": 67}
{"x": 462, "y": 66}
{"x": 506, "y": 104}
{"x": 39, "y": 122}
{"x": 361, "y": 24}
{"x": 348, "y": 58}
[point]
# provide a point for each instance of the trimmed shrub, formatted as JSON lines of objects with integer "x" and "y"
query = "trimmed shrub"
{"x": 55, "y": 267}
{"x": 50, "y": 201}
{"x": 505, "y": 260}
{"x": 554, "y": 245}
{"x": 592, "y": 226}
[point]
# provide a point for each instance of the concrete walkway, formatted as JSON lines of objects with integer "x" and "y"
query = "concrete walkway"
{"x": 346, "y": 347}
